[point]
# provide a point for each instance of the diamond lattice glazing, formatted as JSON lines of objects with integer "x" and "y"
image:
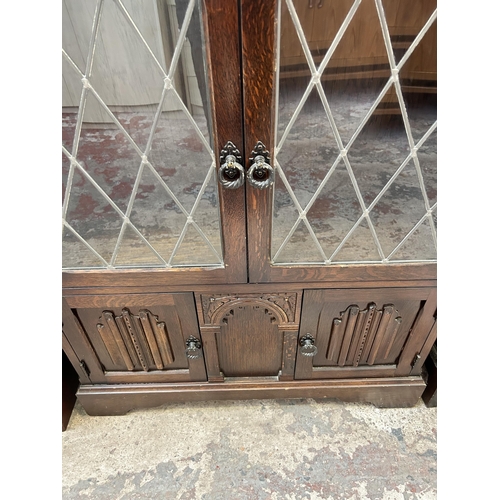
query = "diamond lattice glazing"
{"x": 138, "y": 166}
{"x": 356, "y": 194}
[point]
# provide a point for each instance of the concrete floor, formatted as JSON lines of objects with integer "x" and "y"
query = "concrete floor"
{"x": 246, "y": 450}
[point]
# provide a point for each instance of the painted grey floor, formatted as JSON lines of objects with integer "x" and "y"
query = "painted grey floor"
{"x": 246, "y": 450}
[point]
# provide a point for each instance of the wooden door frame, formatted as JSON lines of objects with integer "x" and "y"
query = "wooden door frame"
{"x": 178, "y": 310}
{"x": 221, "y": 27}
{"x": 421, "y": 333}
{"x": 258, "y": 61}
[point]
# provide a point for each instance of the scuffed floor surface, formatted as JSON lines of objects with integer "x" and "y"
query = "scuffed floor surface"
{"x": 253, "y": 450}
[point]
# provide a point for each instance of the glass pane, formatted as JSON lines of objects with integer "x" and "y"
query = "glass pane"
{"x": 427, "y": 156}
{"x": 418, "y": 78}
{"x": 134, "y": 249}
{"x": 359, "y": 245}
{"x": 65, "y": 172}
{"x": 404, "y": 21}
{"x": 76, "y": 253}
{"x": 92, "y": 216}
{"x": 143, "y": 136}
{"x": 309, "y": 150}
{"x": 355, "y": 131}
{"x": 419, "y": 245}
{"x": 300, "y": 248}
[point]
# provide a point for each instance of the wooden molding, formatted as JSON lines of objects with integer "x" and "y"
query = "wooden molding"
{"x": 357, "y": 336}
{"x": 392, "y": 392}
{"x": 136, "y": 340}
{"x": 216, "y": 306}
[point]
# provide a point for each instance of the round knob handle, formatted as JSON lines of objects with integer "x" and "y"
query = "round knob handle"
{"x": 231, "y": 173}
{"x": 307, "y": 347}
{"x": 261, "y": 174}
{"x": 193, "y": 350}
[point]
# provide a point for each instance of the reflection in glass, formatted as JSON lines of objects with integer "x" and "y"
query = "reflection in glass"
{"x": 355, "y": 139}
{"x": 137, "y": 133}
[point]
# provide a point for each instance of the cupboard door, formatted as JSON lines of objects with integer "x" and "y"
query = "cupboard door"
{"x": 250, "y": 335}
{"x": 343, "y": 98}
{"x": 147, "y": 109}
{"x": 364, "y": 333}
{"x": 135, "y": 339}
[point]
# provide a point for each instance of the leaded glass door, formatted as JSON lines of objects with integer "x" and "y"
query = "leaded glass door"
{"x": 339, "y": 96}
{"x": 346, "y": 93}
{"x": 147, "y": 107}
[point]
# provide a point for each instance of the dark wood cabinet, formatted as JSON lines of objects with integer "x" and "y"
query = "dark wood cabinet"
{"x": 249, "y": 200}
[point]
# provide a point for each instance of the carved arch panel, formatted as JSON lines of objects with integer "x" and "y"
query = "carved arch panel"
{"x": 250, "y": 335}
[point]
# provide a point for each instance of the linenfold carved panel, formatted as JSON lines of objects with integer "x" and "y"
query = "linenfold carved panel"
{"x": 284, "y": 303}
{"x": 140, "y": 342}
{"x": 363, "y": 337}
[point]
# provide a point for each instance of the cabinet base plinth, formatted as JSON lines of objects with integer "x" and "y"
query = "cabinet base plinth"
{"x": 396, "y": 392}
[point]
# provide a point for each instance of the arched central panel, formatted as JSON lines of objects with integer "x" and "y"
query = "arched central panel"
{"x": 249, "y": 335}
{"x": 249, "y": 342}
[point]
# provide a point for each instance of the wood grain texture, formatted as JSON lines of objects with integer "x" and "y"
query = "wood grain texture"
{"x": 138, "y": 341}
{"x": 249, "y": 332}
{"x": 352, "y": 318}
{"x": 420, "y": 331}
{"x": 212, "y": 306}
{"x": 73, "y": 359}
{"x": 258, "y": 40}
{"x": 249, "y": 335}
{"x": 79, "y": 293}
{"x": 359, "y": 332}
{"x": 394, "y": 392}
{"x": 120, "y": 300}
{"x": 150, "y": 377}
{"x": 385, "y": 320}
{"x": 333, "y": 372}
{"x": 426, "y": 349}
{"x": 355, "y": 273}
{"x": 137, "y": 277}
{"x": 289, "y": 354}
{"x": 81, "y": 346}
{"x": 164, "y": 343}
{"x": 224, "y": 66}
{"x": 250, "y": 343}
{"x": 208, "y": 335}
